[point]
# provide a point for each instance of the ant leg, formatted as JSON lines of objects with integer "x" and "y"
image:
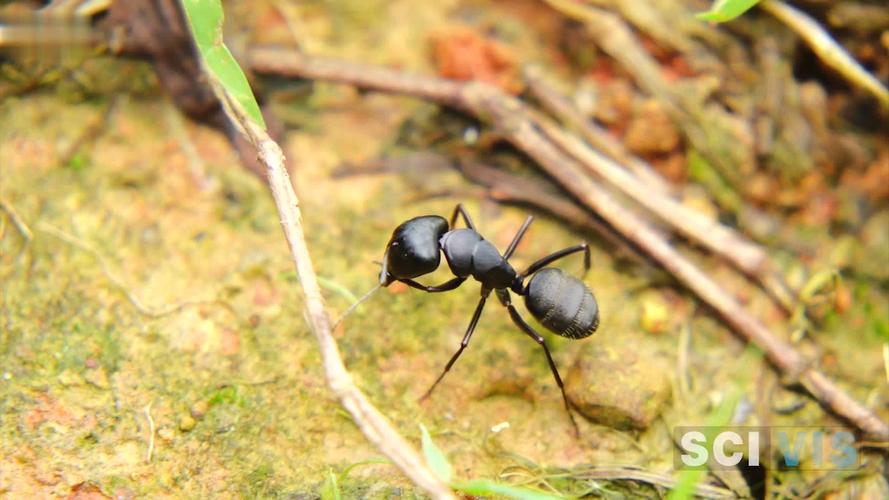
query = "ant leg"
{"x": 549, "y": 259}
{"x": 465, "y": 342}
{"x": 517, "y": 319}
{"x": 462, "y": 211}
{"x": 444, "y": 287}
{"x": 518, "y": 237}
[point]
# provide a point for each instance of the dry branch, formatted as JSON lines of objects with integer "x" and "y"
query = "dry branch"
{"x": 600, "y": 139}
{"x": 713, "y": 132}
{"x": 509, "y": 188}
{"x": 117, "y": 281}
{"x": 722, "y": 240}
{"x": 831, "y": 52}
{"x": 517, "y": 124}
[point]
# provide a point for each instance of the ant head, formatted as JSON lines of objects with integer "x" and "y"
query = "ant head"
{"x": 413, "y": 249}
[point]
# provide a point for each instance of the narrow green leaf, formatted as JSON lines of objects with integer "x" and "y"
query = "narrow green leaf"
{"x": 818, "y": 282}
{"x": 484, "y": 487}
{"x": 726, "y": 10}
{"x": 434, "y": 457}
{"x": 331, "y": 489}
{"x": 205, "y": 20}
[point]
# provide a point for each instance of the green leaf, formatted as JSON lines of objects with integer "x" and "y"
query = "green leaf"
{"x": 484, "y": 487}
{"x": 205, "y": 20}
{"x": 434, "y": 457}
{"x": 331, "y": 489}
{"x": 726, "y": 10}
{"x": 818, "y": 282}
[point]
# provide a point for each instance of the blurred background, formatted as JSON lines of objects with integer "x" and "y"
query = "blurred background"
{"x": 152, "y": 334}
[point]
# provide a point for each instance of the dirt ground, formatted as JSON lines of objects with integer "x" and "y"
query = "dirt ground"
{"x": 152, "y": 339}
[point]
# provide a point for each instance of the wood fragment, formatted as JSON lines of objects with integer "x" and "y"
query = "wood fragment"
{"x": 16, "y": 220}
{"x": 722, "y": 240}
{"x": 151, "y": 432}
{"x": 721, "y": 137}
{"x": 820, "y": 41}
{"x": 563, "y": 109}
{"x": 509, "y": 188}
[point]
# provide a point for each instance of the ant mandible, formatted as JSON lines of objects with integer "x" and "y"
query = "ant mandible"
{"x": 561, "y": 303}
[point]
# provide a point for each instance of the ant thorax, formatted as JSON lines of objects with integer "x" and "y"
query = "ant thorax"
{"x": 469, "y": 254}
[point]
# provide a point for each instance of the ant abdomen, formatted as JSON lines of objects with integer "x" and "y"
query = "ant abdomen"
{"x": 413, "y": 249}
{"x": 562, "y": 303}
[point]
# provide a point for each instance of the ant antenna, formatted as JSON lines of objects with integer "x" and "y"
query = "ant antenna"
{"x": 355, "y": 305}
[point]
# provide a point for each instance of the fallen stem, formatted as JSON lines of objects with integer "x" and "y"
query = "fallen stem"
{"x": 832, "y": 53}
{"x": 151, "y": 432}
{"x": 629, "y": 473}
{"x": 516, "y": 123}
{"x": 712, "y": 132}
{"x": 16, "y": 220}
{"x": 722, "y": 240}
{"x": 509, "y": 188}
{"x": 118, "y": 281}
{"x": 563, "y": 109}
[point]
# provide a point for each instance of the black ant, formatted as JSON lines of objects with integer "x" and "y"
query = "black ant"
{"x": 562, "y": 303}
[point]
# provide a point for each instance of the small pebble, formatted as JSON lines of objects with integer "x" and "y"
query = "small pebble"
{"x": 638, "y": 385}
{"x": 656, "y": 313}
{"x": 199, "y": 409}
{"x": 187, "y": 423}
{"x": 166, "y": 433}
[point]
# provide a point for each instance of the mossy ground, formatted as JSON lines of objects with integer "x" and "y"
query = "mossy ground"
{"x": 85, "y": 358}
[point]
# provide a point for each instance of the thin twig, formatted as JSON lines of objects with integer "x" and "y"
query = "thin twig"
{"x": 118, "y": 281}
{"x": 509, "y": 188}
{"x": 196, "y": 166}
{"x": 147, "y": 411}
{"x": 886, "y": 360}
{"x": 20, "y": 225}
{"x": 711, "y": 131}
{"x": 722, "y": 240}
{"x": 630, "y": 473}
{"x": 516, "y": 123}
{"x": 683, "y": 348}
{"x": 89, "y": 132}
{"x": 16, "y": 220}
{"x": 820, "y": 41}
{"x": 568, "y": 113}
{"x": 535, "y": 474}
{"x": 372, "y": 423}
